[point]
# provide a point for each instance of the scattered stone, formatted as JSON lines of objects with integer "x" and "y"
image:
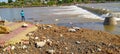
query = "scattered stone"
{"x": 71, "y": 30}
{"x": 72, "y": 53}
{"x": 93, "y": 51}
{"x": 12, "y": 47}
{"x": 25, "y": 42}
{"x": 40, "y": 44}
{"x": 7, "y": 48}
{"x": 36, "y": 38}
{"x": 24, "y": 47}
{"x": 50, "y": 51}
{"x": 72, "y": 43}
{"x": 26, "y": 50}
{"x": 61, "y": 35}
{"x": 66, "y": 48}
{"x": 102, "y": 43}
{"x": 49, "y": 26}
{"x": 58, "y": 41}
{"x": 4, "y": 49}
{"x": 99, "y": 49}
{"x": 32, "y": 37}
{"x": 77, "y": 42}
{"x": 4, "y": 30}
{"x": 76, "y": 28}
{"x": 2, "y": 44}
{"x": 49, "y": 42}
{"x": 30, "y": 34}
{"x": 25, "y": 25}
{"x": 109, "y": 44}
{"x": 44, "y": 28}
{"x": 43, "y": 37}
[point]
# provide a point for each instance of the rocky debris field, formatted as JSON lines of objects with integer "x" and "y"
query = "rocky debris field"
{"x": 52, "y": 39}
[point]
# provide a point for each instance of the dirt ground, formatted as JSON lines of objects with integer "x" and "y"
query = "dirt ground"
{"x": 62, "y": 40}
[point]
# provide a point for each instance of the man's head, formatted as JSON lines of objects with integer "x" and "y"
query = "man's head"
{"x": 21, "y": 10}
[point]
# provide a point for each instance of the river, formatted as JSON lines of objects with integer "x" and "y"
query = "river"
{"x": 62, "y": 16}
{"x": 114, "y": 8}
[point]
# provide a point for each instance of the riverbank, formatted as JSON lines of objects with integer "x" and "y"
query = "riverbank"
{"x": 63, "y": 40}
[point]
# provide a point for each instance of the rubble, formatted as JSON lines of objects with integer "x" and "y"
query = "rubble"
{"x": 49, "y": 26}
{"x": 4, "y": 30}
{"x": 72, "y": 30}
{"x": 12, "y": 47}
{"x": 25, "y": 25}
{"x": 63, "y": 40}
{"x": 36, "y": 38}
{"x": 40, "y": 43}
{"x": 24, "y": 47}
{"x": 76, "y": 28}
{"x": 50, "y": 51}
{"x": 77, "y": 42}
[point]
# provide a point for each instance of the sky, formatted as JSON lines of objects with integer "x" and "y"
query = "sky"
{"x": 5, "y": 0}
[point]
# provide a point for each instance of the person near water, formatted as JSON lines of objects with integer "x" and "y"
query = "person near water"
{"x": 22, "y": 15}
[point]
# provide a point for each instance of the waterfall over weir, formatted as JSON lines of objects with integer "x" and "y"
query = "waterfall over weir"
{"x": 116, "y": 14}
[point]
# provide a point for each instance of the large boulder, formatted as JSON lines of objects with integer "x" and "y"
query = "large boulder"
{"x": 2, "y": 22}
{"x": 4, "y": 29}
{"x": 110, "y": 21}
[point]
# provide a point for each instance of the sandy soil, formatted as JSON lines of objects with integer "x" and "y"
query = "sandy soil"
{"x": 63, "y": 40}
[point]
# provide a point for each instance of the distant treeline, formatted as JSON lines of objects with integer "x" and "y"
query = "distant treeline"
{"x": 29, "y": 3}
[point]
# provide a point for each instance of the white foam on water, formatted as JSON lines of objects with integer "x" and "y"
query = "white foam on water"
{"x": 105, "y": 15}
{"x": 72, "y": 10}
{"x": 118, "y": 19}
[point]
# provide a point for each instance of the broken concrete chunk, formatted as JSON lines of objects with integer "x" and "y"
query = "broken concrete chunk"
{"x": 40, "y": 43}
{"x": 49, "y": 26}
{"x": 36, "y": 38}
{"x": 26, "y": 42}
{"x": 12, "y": 47}
{"x": 30, "y": 34}
{"x": 66, "y": 48}
{"x": 77, "y": 42}
{"x": 71, "y": 30}
{"x": 61, "y": 35}
{"x": 24, "y": 47}
{"x": 4, "y": 30}
{"x": 76, "y": 28}
{"x": 7, "y": 48}
{"x": 99, "y": 49}
{"x": 50, "y": 51}
{"x": 2, "y": 43}
{"x": 25, "y": 25}
{"x": 49, "y": 42}
{"x": 44, "y": 28}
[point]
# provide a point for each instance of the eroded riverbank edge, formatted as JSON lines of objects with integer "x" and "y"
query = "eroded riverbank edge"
{"x": 49, "y": 38}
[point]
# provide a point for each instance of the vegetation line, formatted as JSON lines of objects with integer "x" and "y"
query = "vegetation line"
{"x": 32, "y": 3}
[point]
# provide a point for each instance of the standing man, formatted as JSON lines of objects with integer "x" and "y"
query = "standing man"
{"x": 22, "y": 15}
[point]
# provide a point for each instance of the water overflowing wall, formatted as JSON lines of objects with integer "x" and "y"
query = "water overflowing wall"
{"x": 101, "y": 11}
{"x": 116, "y": 14}
{"x": 96, "y": 10}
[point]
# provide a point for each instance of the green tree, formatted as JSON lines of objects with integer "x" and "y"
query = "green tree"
{"x": 2, "y": 3}
{"x": 10, "y": 1}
